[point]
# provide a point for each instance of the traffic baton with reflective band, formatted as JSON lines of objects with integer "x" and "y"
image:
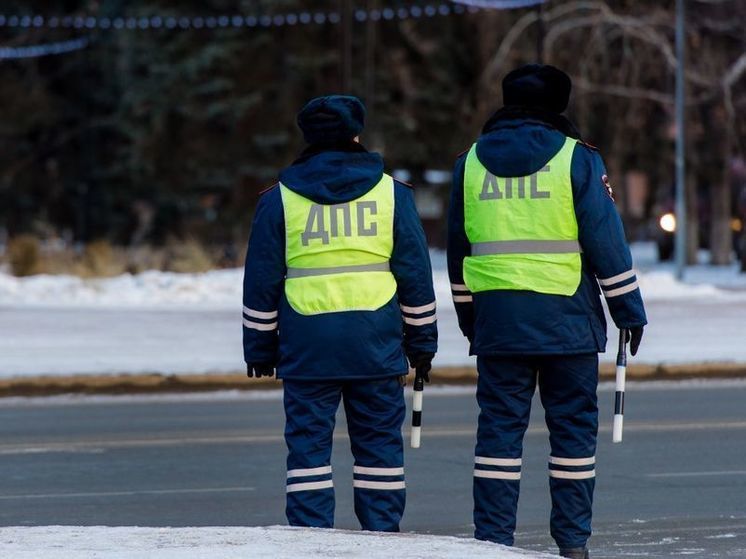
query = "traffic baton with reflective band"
{"x": 419, "y": 385}
{"x": 621, "y": 375}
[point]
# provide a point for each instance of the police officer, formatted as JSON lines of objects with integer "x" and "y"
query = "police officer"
{"x": 337, "y": 290}
{"x": 533, "y": 233}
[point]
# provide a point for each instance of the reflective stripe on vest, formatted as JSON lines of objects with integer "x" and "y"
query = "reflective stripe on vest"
{"x": 523, "y": 230}
{"x": 524, "y": 247}
{"x": 338, "y": 255}
{"x": 307, "y": 272}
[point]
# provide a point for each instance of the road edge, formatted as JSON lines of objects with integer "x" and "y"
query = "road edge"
{"x": 154, "y": 383}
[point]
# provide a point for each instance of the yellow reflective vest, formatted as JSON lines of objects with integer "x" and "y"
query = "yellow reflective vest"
{"x": 522, "y": 230}
{"x": 338, "y": 255}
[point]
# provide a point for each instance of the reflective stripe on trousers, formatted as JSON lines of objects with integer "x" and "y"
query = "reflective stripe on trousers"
{"x": 382, "y": 479}
{"x": 497, "y": 468}
{"x": 298, "y": 479}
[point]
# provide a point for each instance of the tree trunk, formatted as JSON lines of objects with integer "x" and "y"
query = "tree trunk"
{"x": 721, "y": 235}
{"x": 692, "y": 219}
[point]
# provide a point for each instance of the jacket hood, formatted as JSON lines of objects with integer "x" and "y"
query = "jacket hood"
{"x": 333, "y": 177}
{"x": 517, "y": 148}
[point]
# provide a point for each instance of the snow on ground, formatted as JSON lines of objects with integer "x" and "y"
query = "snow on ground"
{"x": 274, "y": 542}
{"x": 221, "y": 289}
{"x": 159, "y": 322}
{"x": 215, "y": 289}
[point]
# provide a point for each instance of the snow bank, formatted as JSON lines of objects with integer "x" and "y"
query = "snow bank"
{"x": 273, "y": 542}
{"x": 221, "y": 289}
{"x": 215, "y": 289}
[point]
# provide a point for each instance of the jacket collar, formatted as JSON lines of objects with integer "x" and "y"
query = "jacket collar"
{"x": 544, "y": 118}
{"x": 316, "y": 149}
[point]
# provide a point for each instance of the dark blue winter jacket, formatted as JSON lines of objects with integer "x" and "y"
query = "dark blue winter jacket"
{"x": 525, "y": 322}
{"x": 340, "y": 345}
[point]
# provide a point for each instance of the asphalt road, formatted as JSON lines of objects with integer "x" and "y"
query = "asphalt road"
{"x": 675, "y": 487}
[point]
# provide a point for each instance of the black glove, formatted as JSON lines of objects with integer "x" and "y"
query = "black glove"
{"x": 634, "y": 337}
{"x": 422, "y": 363}
{"x": 260, "y": 370}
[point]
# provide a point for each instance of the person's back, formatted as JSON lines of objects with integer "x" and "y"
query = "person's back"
{"x": 337, "y": 295}
{"x": 533, "y": 231}
{"x": 517, "y": 142}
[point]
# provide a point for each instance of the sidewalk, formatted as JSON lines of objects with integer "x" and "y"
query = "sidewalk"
{"x": 274, "y": 542}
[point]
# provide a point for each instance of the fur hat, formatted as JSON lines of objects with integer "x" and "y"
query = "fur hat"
{"x": 539, "y": 86}
{"x": 331, "y": 119}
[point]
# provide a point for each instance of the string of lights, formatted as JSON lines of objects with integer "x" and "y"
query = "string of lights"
{"x": 225, "y": 21}
{"x": 500, "y": 4}
{"x": 230, "y": 21}
{"x": 278, "y": 20}
{"x": 35, "y": 51}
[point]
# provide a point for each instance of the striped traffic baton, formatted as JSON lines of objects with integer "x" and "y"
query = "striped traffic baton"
{"x": 419, "y": 385}
{"x": 621, "y": 376}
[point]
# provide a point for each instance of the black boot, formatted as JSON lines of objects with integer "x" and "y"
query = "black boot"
{"x": 575, "y": 553}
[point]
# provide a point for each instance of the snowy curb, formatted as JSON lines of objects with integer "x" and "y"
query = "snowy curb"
{"x": 185, "y": 383}
{"x": 275, "y": 542}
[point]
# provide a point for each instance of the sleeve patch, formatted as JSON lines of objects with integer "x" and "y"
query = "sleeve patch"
{"x": 607, "y": 186}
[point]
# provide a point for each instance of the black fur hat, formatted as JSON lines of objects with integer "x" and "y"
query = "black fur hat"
{"x": 537, "y": 85}
{"x": 332, "y": 119}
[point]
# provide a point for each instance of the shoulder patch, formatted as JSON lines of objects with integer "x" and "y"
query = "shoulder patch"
{"x": 404, "y": 183}
{"x": 269, "y": 188}
{"x": 589, "y": 146}
{"x": 607, "y": 185}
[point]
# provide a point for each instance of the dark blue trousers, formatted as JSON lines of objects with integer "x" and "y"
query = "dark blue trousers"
{"x": 567, "y": 386}
{"x": 375, "y": 412}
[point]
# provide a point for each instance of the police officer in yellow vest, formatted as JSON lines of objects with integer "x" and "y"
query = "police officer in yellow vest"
{"x": 338, "y": 295}
{"x": 533, "y": 233}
